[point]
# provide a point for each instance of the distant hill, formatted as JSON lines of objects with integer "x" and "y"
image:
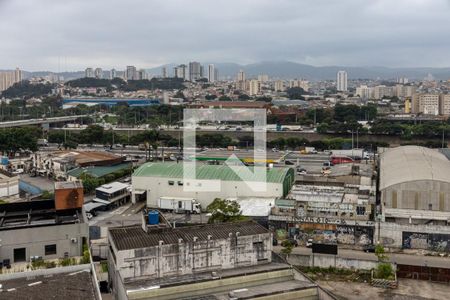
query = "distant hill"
{"x": 286, "y": 70}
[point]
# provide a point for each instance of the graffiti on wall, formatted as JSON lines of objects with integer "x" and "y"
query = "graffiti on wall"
{"x": 427, "y": 241}
{"x": 341, "y": 234}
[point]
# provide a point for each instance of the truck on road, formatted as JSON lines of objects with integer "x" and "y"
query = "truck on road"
{"x": 352, "y": 153}
{"x": 179, "y": 205}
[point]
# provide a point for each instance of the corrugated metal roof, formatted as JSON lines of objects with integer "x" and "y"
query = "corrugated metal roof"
{"x": 134, "y": 237}
{"x": 211, "y": 172}
{"x": 412, "y": 163}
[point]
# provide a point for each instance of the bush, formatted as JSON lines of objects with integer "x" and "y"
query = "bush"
{"x": 67, "y": 262}
{"x": 384, "y": 271}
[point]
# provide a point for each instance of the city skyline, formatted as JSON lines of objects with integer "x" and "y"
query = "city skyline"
{"x": 80, "y": 34}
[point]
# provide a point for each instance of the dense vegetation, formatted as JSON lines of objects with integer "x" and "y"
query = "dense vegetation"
{"x": 26, "y": 90}
{"x": 130, "y": 85}
{"x": 15, "y": 139}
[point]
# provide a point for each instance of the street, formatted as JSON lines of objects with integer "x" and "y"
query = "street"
{"x": 398, "y": 258}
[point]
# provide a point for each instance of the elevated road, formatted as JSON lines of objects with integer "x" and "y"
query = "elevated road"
{"x": 40, "y": 121}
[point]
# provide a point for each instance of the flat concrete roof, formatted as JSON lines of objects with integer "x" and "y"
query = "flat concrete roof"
{"x": 76, "y": 285}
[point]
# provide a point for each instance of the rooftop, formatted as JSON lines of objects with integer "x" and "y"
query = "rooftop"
{"x": 206, "y": 172}
{"x": 112, "y": 187}
{"x": 134, "y": 237}
{"x": 77, "y": 285}
{"x": 68, "y": 185}
{"x": 90, "y": 158}
{"x": 412, "y": 163}
{"x": 98, "y": 171}
{"x": 26, "y": 214}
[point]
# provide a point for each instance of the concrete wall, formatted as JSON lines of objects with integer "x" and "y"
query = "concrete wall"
{"x": 418, "y": 195}
{"x": 325, "y": 261}
{"x": 187, "y": 258}
{"x": 391, "y": 234}
{"x": 9, "y": 186}
{"x": 34, "y": 240}
{"x": 159, "y": 187}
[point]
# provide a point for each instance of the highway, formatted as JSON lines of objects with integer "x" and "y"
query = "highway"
{"x": 38, "y": 121}
{"x": 398, "y": 258}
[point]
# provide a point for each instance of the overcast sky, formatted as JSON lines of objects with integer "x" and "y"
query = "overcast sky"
{"x": 74, "y": 34}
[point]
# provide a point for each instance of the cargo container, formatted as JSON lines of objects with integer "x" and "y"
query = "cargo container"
{"x": 179, "y": 205}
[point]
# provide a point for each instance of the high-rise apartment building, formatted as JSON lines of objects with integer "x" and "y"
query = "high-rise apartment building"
{"x": 381, "y": 91}
{"x": 279, "y": 86}
{"x": 131, "y": 73}
{"x": 113, "y": 74}
{"x": 89, "y": 73}
{"x": 9, "y": 78}
{"x": 445, "y": 105}
{"x": 241, "y": 76}
{"x": 341, "y": 81}
{"x": 141, "y": 74}
{"x": 263, "y": 77}
{"x": 195, "y": 71}
{"x": 304, "y": 84}
{"x": 181, "y": 72}
{"x": 98, "y": 73}
{"x": 211, "y": 73}
{"x": 164, "y": 72}
{"x": 364, "y": 92}
{"x": 254, "y": 87}
{"x": 427, "y": 104}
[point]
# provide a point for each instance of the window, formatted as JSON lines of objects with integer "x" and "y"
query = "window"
{"x": 50, "y": 249}
{"x": 180, "y": 182}
{"x": 430, "y": 206}
{"x": 20, "y": 254}
{"x": 171, "y": 182}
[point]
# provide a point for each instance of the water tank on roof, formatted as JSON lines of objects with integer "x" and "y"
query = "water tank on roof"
{"x": 153, "y": 217}
{"x": 4, "y": 160}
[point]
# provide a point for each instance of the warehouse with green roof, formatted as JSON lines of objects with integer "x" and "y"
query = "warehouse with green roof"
{"x": 154, "y": 180}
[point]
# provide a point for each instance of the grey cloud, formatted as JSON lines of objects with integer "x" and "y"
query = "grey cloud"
{"x": 41, "y": 35}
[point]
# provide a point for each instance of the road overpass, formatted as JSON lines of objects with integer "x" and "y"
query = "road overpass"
{"x": 40, "y": 121}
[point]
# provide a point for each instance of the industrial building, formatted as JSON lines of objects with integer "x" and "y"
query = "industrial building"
{"x": 335, "y": 212}
{"x": 113, "y": 194}
{"x": 211, "y": 261}
{"x": 48, "y": 229}
{"x": 154, "y": 180}
{"x": 415, "y": 198}
{"x": 9, "y": 184}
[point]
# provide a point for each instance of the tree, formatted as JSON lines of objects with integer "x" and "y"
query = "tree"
{"x": 296, "y": 93}
{"x": 223, "y": 211}
{"x": 243, "y": 97}
{"x": 384, "y": 269}
{"x": 287, "y": 247}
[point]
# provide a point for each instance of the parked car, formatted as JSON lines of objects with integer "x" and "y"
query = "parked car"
{"x": 369, "y": 248}
{"x": 309, "y": 243}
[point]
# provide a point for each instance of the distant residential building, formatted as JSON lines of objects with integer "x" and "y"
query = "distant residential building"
{"x": 402, "y": 91}
{"x": 445, "y": 105}
{"x": 164, "y": 72}
{"x": 240, "y": 76}
{"x": 263, "y": 78}
{"x": 402, "y": 80}
{"x": 113, "y": 74}
{"x": 279, "y": 86}
{"x": 254, "y": 87}
{"x": 211, "y": 73}
{"x": 89, "y": 73}
{"x": 9, "y": 78}
{"x": 364, "y": 92}
{"x": 98, "y": 73}
{"x": 304, "y": 84}
{"x": 341, "y": 81}
{"x": 181, "y": 72}
{"x": 427, "y": 104}
{"x": 131, "y": 73}
{"x": 141, "y": 74}
{"x": 381, "y": 91}
{"x": 195, "y": 71}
